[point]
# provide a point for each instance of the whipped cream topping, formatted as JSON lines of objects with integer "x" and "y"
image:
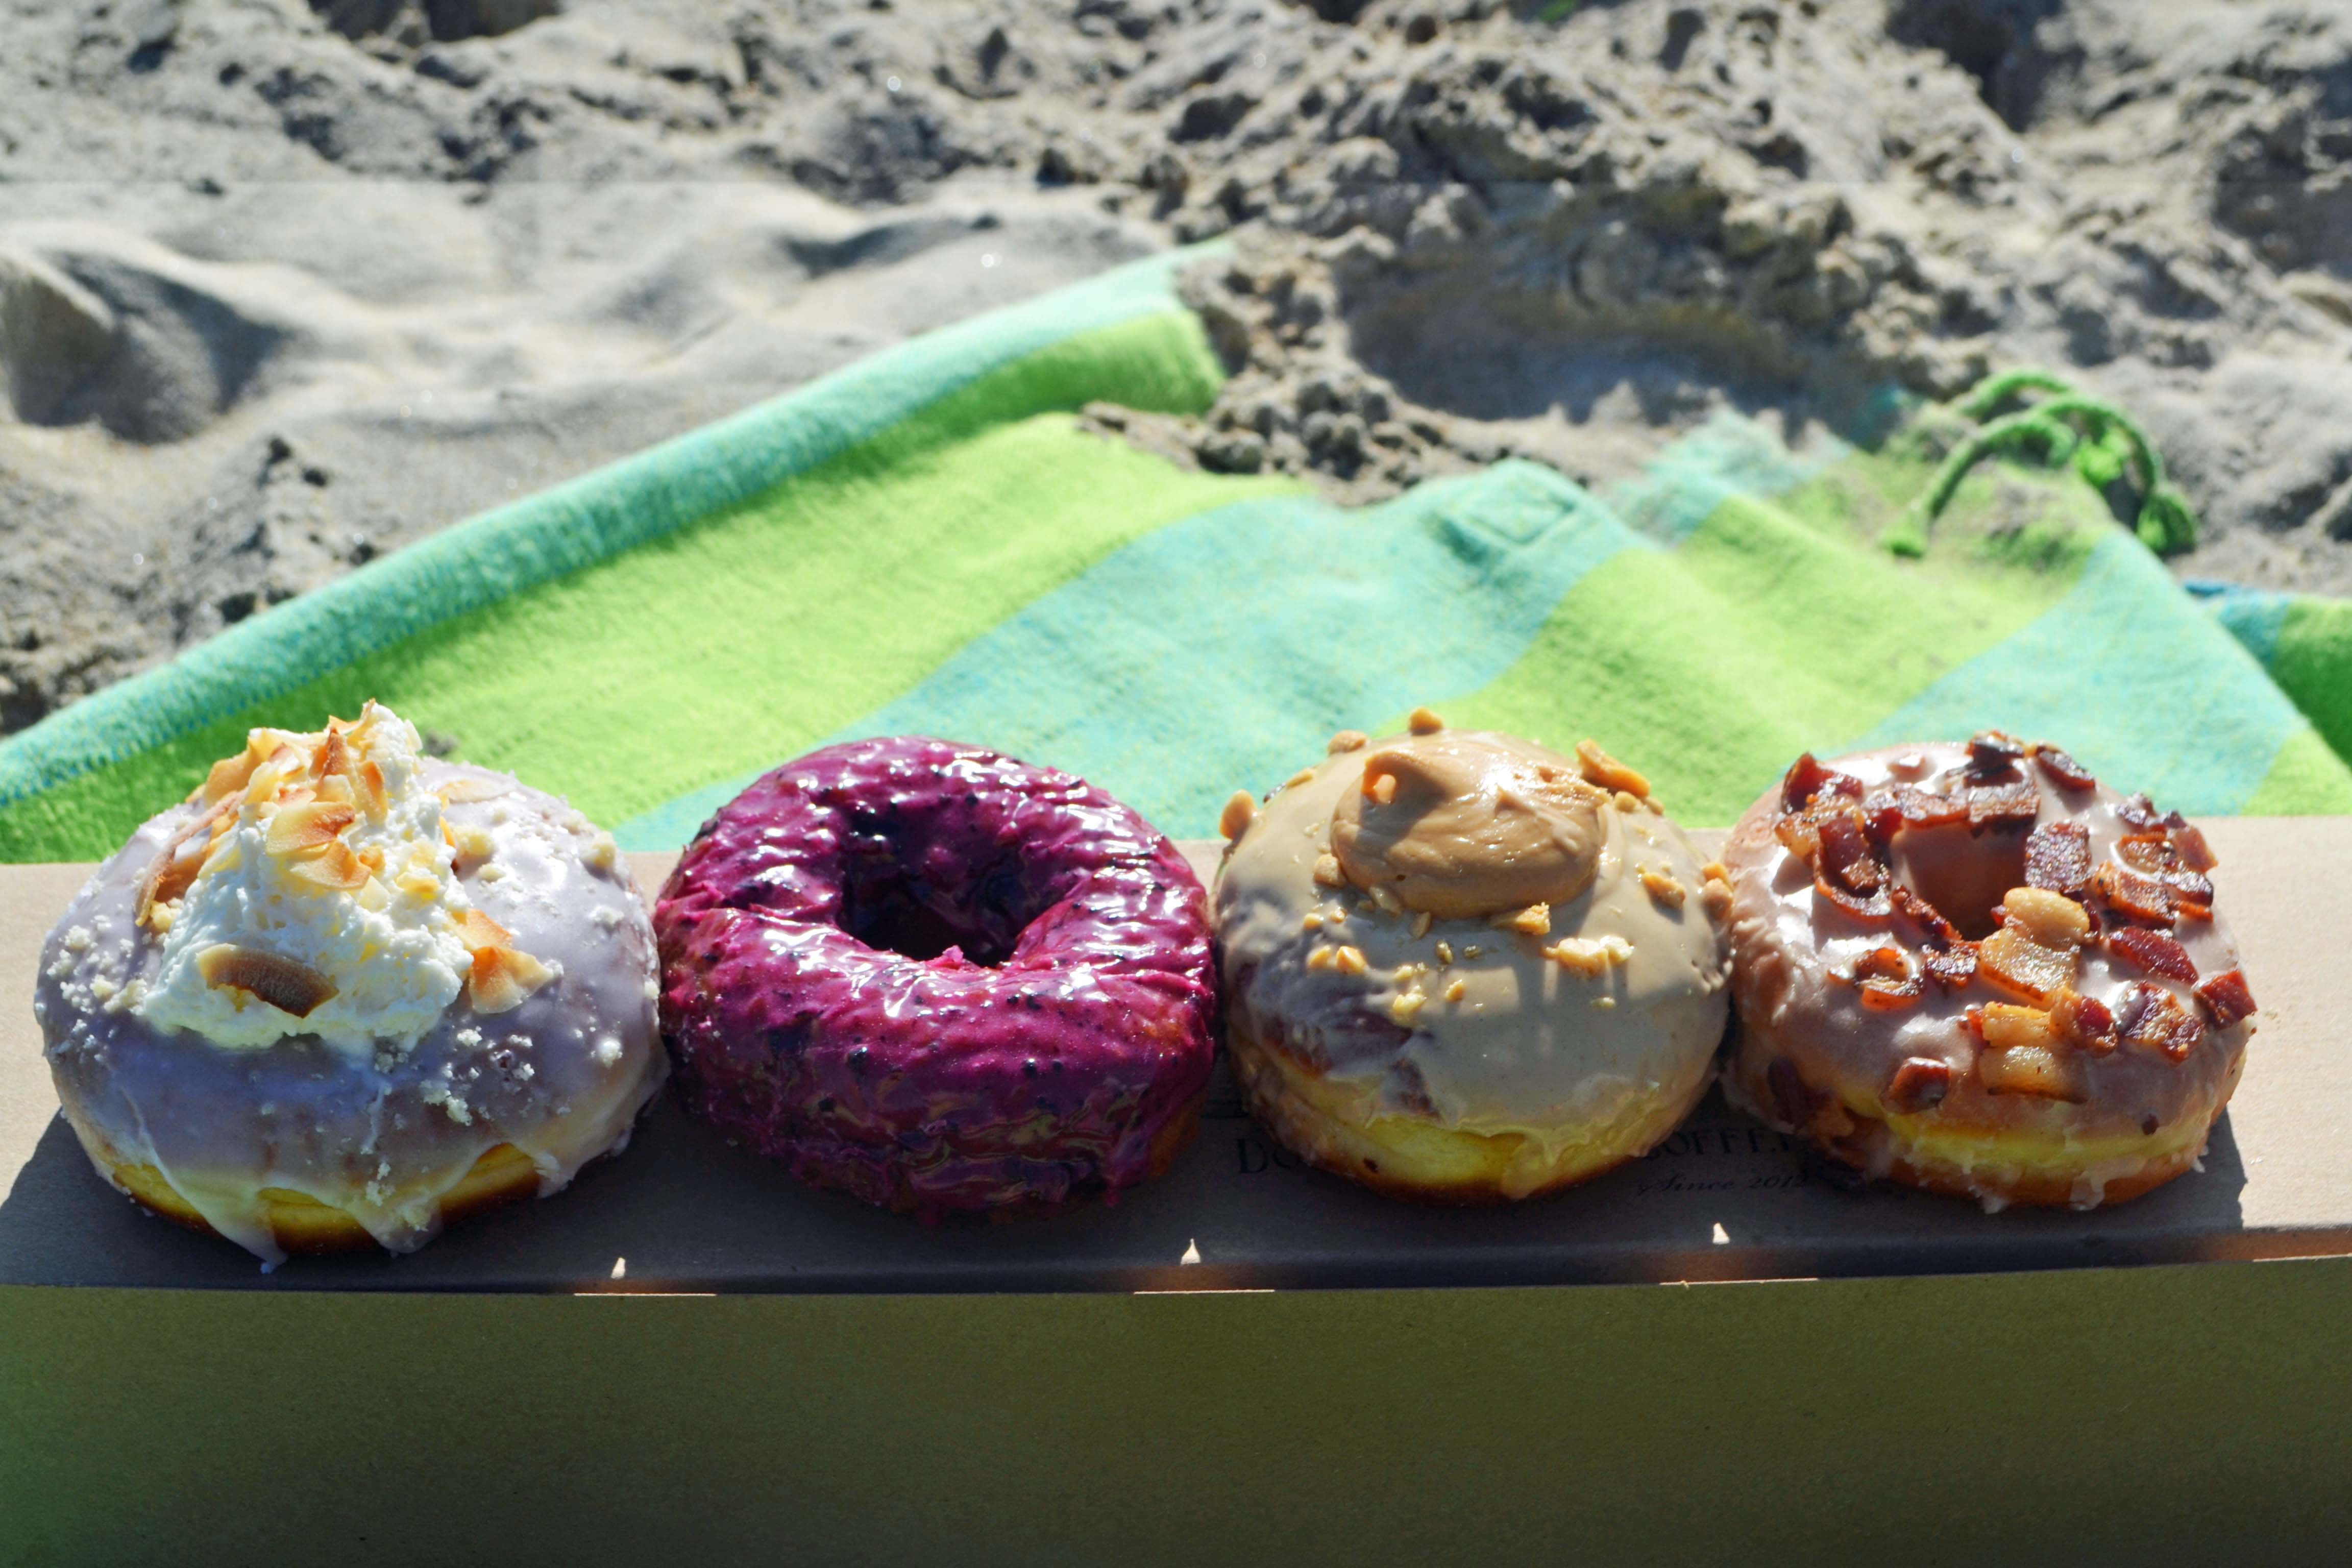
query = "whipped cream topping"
{"x": 319, "y": 894}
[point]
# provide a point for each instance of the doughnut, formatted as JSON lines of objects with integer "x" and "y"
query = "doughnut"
{"x": 346, "y": 992}
{"x": 1460, "y": 968}
{"x": 938, "y": 979}
{"x": 1976, "y": 970}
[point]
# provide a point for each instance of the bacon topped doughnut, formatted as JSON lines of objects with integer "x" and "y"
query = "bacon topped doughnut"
{"x": 939, "y": 979}
{"x": 1975, "y": 969}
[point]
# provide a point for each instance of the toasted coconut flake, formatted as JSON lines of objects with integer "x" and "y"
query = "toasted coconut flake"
{"x": 305, "y": 825}
{"x": 333, "y": 867}
{"x": 1599, "y": 768}
{"x": 1919, "y": 1084}
{"x": 469, "y": 790}
{"x": 2152, "y": 1019}
{"x": 2226, "y": 998}
{"x": 478, "y": 931}
{"x": 2151, "y": 953}
{"x": 334, "y": 754}
{"x": 502, "y": 977}
{"x": 290, "y": 987}
{"x": 373, "y": 794}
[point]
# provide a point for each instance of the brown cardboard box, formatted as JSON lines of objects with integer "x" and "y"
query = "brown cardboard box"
{"x": 1338, "y": 1378}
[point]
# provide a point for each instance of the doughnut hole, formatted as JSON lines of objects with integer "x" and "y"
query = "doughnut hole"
{"x": 888, "y": 903}
{"x": 1964, "y": 875}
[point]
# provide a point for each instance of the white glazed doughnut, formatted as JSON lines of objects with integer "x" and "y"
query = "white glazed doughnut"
{"x": 1973, "y": 969}
{"x": 345, "y": 992}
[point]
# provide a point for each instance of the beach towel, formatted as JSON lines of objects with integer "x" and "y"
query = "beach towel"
{"x": 931, "y": 541}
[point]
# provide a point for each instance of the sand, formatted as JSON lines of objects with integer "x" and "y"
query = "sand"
{"x": 284, "y": 288}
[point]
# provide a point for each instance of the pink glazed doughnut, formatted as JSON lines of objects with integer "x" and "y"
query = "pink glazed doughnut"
{"x": 939, "y": 979}
{"x": 1974, "y": 969}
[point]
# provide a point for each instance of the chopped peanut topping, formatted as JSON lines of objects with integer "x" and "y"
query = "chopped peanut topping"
{"x": 1349, "y": 961}
{"x": 1421, "y": 924}
{"x": 1300, "y": 777}
{"x": 1606, "y": 771}
{"x": 1406, "y": 1007}
{"x": 1385, "y": 900}
{"x": 1381, "y": 788}
{"x": 1663, "y": 887}
{"x": 1348, "y": 740}
{"x": 1239, "y": 813}
{"x": 1421, "y": 722}
{"x": 1535, "y": 921}
{"x": 1311, "y": 921}
{"x": 1716, "y": 871}
{"x": 1328, "y": 873}
{"x": 1456, "y": 992}
{"x": 1322, "y": 958}
{"x": 1445, "y": 951}
{"x": 1626, "y": 802}
{"x": 1589, "y": 956}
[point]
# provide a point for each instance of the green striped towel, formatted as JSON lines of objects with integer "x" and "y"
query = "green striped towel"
{"x": 927, "y": 541}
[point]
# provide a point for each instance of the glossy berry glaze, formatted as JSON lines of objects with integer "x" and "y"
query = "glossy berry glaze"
{"x": 938, "y": 978}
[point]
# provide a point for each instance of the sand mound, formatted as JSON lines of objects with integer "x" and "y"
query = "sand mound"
{"x": 286, "y": 283}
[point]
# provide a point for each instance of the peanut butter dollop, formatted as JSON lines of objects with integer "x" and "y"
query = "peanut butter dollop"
{"x": 1462, "y": 826}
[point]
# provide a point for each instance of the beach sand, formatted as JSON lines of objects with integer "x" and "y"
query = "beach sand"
{"x": 283, "y": 287}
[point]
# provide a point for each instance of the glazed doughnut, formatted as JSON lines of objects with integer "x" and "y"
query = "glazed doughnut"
{"x": 1463, "y": 969}
{"x": 346, "y": 992}
{"x": 939, "y": 979}
{"x": 1974, "y": 969}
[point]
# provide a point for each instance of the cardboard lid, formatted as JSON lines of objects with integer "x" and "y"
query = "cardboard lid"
{"x": 1723, "y": 1198}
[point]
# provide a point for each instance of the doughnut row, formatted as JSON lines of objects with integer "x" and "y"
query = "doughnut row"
{"x": 346, "y": 991}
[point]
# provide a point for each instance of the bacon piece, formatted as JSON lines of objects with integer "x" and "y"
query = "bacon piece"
{"x": 2058, "y": 856}
{"x": 2023, "y": 967}
{"x": 2153, "y": 1019}
{"x": 1848, "y": 857}
{"x": 1990, "y": 750}
{"x": 2132, "y": 894}
{"x": 1954, "y": 968}
{"x": 2149, "y": 853}
{"x": 1799, "y": 835}
{"x": 1938, "y": 931}
{"x": 2084, "y": 1022}
{"x": 1806, "y": 778}
{"x": 2151, "y": 953}
{"x": 1926, "y": 808}
{"x": 1874, "y": 908}
{"x": 1919, "y": 1084}
{"x": 2002, "y": 804}
{"x": 2139, "y": 813}
{"x": 1884, "y": 979}
{"x": 290, "y": 987}
{"x": 2023, "y": 1055}
{"x": 2226, "y": 998}
{"x": 2064, "y": 770}
{"x": 2188, "y": 843}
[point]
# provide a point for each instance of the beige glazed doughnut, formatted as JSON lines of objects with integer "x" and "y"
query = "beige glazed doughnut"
{"x": 1461, "y": 968}
{"x": 1974, "y": 969}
